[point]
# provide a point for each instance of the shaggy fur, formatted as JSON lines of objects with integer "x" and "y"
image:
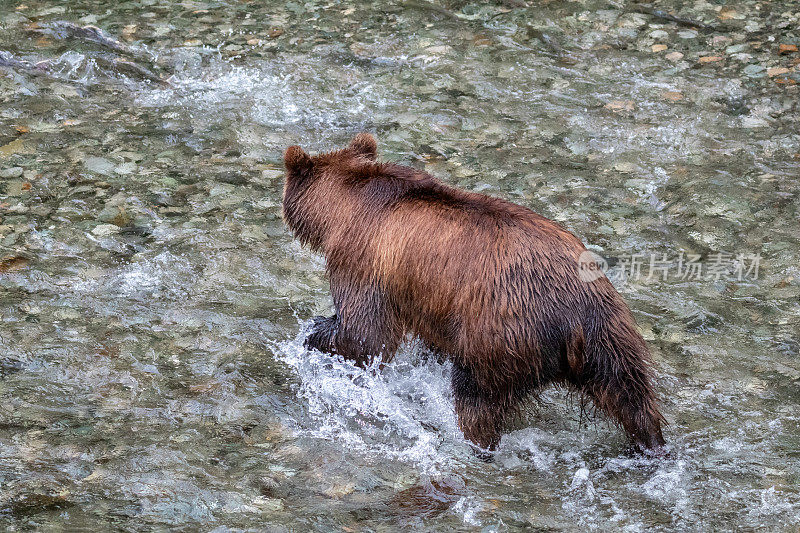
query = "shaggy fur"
{"x": 490, "y": 284}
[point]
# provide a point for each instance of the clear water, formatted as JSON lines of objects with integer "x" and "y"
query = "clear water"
{"x": 153, "y": 304}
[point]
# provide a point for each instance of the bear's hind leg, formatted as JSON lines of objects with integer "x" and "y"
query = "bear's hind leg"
{"x": 480, "y": 414}
{"x": 624, "y": 391}
{"x": 635, "y": 412}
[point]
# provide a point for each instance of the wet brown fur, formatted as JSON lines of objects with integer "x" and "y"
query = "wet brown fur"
{"x": 489, "y": 283}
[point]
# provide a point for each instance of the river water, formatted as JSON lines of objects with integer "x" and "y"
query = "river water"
{"x": 153, "y": 303}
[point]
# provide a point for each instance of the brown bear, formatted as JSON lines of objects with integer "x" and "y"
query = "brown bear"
{"x": 489, "y": 284}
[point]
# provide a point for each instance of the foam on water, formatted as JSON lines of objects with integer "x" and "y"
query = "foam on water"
{"x": 162, "y": 275}
{"x": 134, "y": 384}
{"x": 403, "y": 411}
{"x": 280, "y": 95}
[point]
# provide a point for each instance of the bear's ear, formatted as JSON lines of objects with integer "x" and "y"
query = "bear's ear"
{"x": 365, "y": 145}
{"x": 296, "y": 160}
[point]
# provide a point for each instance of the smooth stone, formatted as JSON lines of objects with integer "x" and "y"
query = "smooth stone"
{"x": 15, "y": 188}
{"x": 13, "y": 172}
{"x": 625, "y": 166}
{"x": 752, "y": 26}
{"x": 104, "y": 230}
{"x": 100, "y": 165}
{"x": 108, "y": 213}
{"x": 736, "y": 48}
{"x": 272, "y": 174}
{"x": 67, "y": 313}
{"x": 126, "y": 168}
{"x": 755, "y": 71}
{"x": 268, "y": 504}
{"x": 754, "y": 122}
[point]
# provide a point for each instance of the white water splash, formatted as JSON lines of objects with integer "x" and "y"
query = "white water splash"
{"x": 403, "y": 411}
{"x": 278, "y": 95}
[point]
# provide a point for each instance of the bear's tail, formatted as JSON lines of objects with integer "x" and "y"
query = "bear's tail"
{"x": 617, "y": 373}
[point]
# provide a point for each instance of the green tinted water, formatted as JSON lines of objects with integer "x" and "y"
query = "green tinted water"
{"x": 152, "y": 302}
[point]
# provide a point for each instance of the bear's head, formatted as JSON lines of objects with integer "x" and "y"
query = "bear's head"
{"x": 301, "y": 165}
{"x": 309, "y": 189}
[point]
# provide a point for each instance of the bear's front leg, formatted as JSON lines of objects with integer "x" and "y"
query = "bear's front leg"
{"x": 364, "y": 326}
{"x": 358, "y": 343}
{"x": 323, "y": 332}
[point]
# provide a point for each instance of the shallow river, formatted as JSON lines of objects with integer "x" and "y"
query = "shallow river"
{"x": 152, "y": 301}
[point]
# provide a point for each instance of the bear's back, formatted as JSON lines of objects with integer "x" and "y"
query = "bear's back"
{"x": 451, "y": 259}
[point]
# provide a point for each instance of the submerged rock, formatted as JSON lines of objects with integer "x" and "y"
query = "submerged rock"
{"x": 13, "y": 172}
{"x": 99, "y": 165}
